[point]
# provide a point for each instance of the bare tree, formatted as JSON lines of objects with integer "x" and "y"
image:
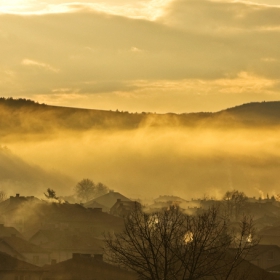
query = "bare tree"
{"x": 85, "y": 190}
{"x": 234, "y": 202}
{"x": 169, "y": 244}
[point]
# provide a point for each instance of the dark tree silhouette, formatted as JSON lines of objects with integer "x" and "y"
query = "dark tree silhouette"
{"x": 51, "y": 194}
{"x": 234, "y": 202}
{"x": 169, "y": 244}
{"x": 87, "y": 190}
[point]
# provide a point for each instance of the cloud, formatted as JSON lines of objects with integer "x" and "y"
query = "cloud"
{"x": 186, "y": 95}
{"x": 159, "y": 160}
{"x": 148, "y": 9}
{"x": 221, "y": 16}
{"x": 29, "y": 62}
{"x": 106, "y": 55}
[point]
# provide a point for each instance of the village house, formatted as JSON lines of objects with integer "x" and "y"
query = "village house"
{"x": 13, "y": 269}
{"x": 63, "y": 243}
{"x": 123, "y": 208}
{"x": 30, "y": 215}
{"x": 270, "y": 236}
{"x": 106, "y": 201}
{"x": 264, "y": 256}
{"x": 24, "y": 250}
{"x": 9, "y": 231}
{"x": 86, "y": 267}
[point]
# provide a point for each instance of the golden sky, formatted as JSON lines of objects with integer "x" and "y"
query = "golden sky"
{"x": 141, "y": 55}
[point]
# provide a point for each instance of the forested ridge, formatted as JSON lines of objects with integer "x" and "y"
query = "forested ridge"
{"x": 27, "y": 116}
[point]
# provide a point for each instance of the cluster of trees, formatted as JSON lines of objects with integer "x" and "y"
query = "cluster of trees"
{"x": 86, "y": 190}
{"x": 17, "y": 102}
{"x": 170, "y": 244}
{"x": 235, "y": 202}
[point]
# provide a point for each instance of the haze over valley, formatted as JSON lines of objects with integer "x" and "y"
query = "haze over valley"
{"x": 139, "y": 139}
{"x": 142, "y": 155}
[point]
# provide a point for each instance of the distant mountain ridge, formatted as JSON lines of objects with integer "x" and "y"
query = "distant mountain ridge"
{"x": 19, "y": 116}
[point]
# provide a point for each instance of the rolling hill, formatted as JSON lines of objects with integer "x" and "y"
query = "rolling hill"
{"x": 20, "y": 116}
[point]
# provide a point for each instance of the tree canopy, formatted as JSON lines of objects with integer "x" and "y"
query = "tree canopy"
{"x": 51, "y": 194}
{"x": 86, "y": 190}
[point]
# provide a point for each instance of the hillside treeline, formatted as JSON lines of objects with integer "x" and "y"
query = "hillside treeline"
{"x": 26, "y": 116}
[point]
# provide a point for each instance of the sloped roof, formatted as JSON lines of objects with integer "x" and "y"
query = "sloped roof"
{"x": 21, "y": 245}
{"x": 108, "y": 199}
{"x": 95, "y": 204}
{"x": 275, "y": 269}
{"x": 17, "y": 201}
{"x": 260, "y": 249}
{"x": 270, "y": 231}
{"x": 66, "y": 240}
{"x": 125, "y": 206}
{"x": 247, "y": 270}
{"x": 9, "y": 231}
{"x": 8, "y": 263}
{"x": 86, "y": 267}
{"x": 45, "y": 215}
{"x": 168, "y": 198}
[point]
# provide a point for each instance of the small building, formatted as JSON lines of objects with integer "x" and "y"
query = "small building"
{"x": 9, "y": 231}
{"x": 107, "y": 200}
{"x": 63, "y": 243}
{"x": 270, "y": 236}
{"x": 122, "y": 207}
{"x": 264, "y": 256}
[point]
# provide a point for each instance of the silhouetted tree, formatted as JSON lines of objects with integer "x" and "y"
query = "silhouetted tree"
{"x": 51, "y": 194}
{"x": 100, "y": 189}
{"x": 87, "y": 190}
{"x": 169, "y": 244}
{"x": 235, "y": 202}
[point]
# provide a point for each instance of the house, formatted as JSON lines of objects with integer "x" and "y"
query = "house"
{"x": 12, "y": 212}
{"x": 270, "y": 236}
{"x": 63, "y": 243}
{"x": 86, "y": 267}
{"x": 168, "y": 198}
{"x": 95, "y": 205}
{"x": 9, "y": 231}
{"x": 32, "y": 215}
{"x": 274, "y": 270}
{"x": 248, "y": 271}
{"x": 123, "y": 208}
{"x": 14, "y": 269}
{"x": 24, "y": 250}
{"x": 264, "y": 256}
{"x": 108, "y": 199}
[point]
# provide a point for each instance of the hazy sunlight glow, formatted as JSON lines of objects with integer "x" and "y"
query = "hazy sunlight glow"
{"x": 137, "y": 9}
